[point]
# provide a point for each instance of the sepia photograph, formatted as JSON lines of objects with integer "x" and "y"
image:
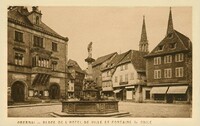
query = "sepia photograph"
{"x": 100, "y": 65}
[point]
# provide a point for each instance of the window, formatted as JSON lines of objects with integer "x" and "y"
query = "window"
{"x": 34, "y": 61}
{"x": 18, "y": 36}
{"x": 115, "y": 79}
{"x": 168, "y": 59}
{"x": 170, "y": 35}
{"x": 19, "y": 59}
{"x": 38, "y": 41}
{"x": 37, "y": 20}
{"x": 126, "y": 67}
{"x": 179, "y": 72}
{"x": 159, "y": 96}
{"x": 147, "y": 94}
{"x": 168, "y": 73}
{"x": 157, "y": 60}
{"x": 157, "y": 74}
{"x": 121, "y": 67}
{"x": 121, "y": 78}
{"x": 160, "y": 48}
{"x": 179, "y": 57}
{"x": 180, "y": 97}
{"x": 172, "y": 45}
{"x": 107, "y": 73}
{"x": 54, "y": 46}
{"x": 132, "y": 76}
{"x": 126, "y": 78}
{"x": 42, "y": 62}
{"x": 54, "y": 65}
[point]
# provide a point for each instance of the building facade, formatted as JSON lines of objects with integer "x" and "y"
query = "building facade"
{"x": 98, "y": 64}
{"x": 78, "y": 76}
{"x": 124, "y": 76}
{"x": 36, "y": 57}
{"x": 107, "y": 73}
{"x": 70, "y": 87}
{"x": 169, "y": 68}
{"x": 130, "y": 76}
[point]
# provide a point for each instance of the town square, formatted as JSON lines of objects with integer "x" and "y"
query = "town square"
{"x": 103, "y": 66}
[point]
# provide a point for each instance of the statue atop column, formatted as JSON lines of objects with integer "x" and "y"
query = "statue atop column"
{"x": 89, "y": 59}
{"x": 89, "y": 50}
{"x": 89, "y": 86}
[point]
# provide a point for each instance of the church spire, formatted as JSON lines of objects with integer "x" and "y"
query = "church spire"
{"x": 170, "y": 28}
{"x": 143, "y": 46}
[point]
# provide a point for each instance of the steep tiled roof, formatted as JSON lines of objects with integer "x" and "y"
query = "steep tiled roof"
{"x": 102, "y": 59}
{"x": 15, "y": 16}
{"x": 182, "y": 43}
{"x": 74, "y": 64}
{"x": 136, "y": 58}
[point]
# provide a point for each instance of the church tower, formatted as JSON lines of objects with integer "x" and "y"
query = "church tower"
{"x": 170, "y": 27}
{"x": 143, "y": 45}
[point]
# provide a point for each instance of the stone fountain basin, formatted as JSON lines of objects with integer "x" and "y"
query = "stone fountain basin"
{"x": 90, "y": 107}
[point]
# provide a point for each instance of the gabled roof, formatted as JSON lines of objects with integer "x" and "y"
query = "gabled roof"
{"x": 102, "y": 59}
{"x": 74, "y": 64}
{"x": 15, "y": 16}
{"x": 136, "y": 58}
{"x": 182, "y": 43}
{"x": 115, "y": 61}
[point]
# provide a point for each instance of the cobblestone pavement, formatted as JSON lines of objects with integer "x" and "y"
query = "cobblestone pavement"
{"x": 136, "y": 110}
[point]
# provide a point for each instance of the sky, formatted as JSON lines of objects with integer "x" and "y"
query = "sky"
{"x": 112, "y": 29}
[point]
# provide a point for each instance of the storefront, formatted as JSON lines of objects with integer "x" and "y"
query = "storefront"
{"x": 118, "y": 94}
{"x": 130, "y": 93}
{"x": 107, "y": 93}
{"x": 159, "y": 93}
{"x": 170, "y": 94}
{"x": 177, "y": 93}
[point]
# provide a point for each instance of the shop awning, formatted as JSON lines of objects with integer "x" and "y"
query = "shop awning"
{"x": 107, "y": 89}
{"x": 41, "y": 79}
{"x": 177, "y": 90}
{"x": 117, "y": 91}
{"x": 159, "y": 90}
{"x": 130, "y": 87}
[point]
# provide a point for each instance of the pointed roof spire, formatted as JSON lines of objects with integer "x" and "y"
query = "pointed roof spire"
{"x": 143, "y": 34}
{"x": 170, "y": 28}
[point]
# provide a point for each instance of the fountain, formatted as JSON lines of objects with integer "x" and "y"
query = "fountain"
{"x": 90, "y": 104}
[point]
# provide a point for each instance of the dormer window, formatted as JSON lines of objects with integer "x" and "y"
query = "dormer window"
{"x": 37, "y": 20}
{"x": 172, "y": 45}
{"x": 170, "y": 35}
{"x": 160, "y": 48}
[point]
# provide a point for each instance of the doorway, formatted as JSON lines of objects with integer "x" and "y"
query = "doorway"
{"x": 170, "y": 98}
{"x": 17, "y": 92}
{"x": 54, "y": 91}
